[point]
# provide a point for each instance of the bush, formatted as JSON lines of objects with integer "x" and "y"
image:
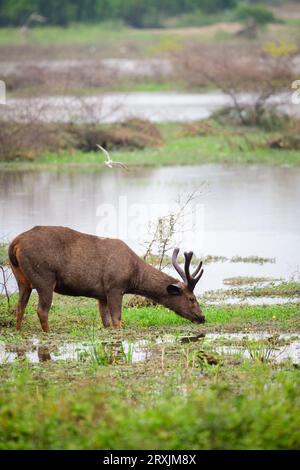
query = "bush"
{"x": 257, "y": 13}
{"x": 268, "y": 119}
{"x": 19, "y": 140}
{"x": 136, "y": 301}
{"x": 285, "y": 142}
{"x": 131, "y": 134}
{"x": 249, "y": 77}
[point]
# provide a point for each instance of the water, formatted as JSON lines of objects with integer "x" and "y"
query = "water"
{"x": 115, "y": 107}
{"x": 37, "y": 351}
{"x": 246, "y": 345}
{"x": 242, "y": 210}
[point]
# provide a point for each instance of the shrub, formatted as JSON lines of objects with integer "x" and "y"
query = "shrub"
{"x": 248, "y": 75}
{"x": 131, "y": 134}
{"x": 258, "y": 13}
{"x": 268, "y": 119}
{"x": 19, "y": 140}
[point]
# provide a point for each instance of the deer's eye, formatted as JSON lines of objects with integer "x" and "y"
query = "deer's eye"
{"x": 192, "y": 299}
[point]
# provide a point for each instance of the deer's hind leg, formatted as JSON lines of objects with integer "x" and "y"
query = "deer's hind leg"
{"x": 24, "y": 294}
{"x": 45, "y": 286}
{"x": 25, "y": 290}
{"x": 105, "y": 313}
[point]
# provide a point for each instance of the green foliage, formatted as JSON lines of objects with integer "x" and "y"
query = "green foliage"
{"x": 102, "y": 413}
{"x": 258, "y": 13}
{"x": 137, "y": 13}
{"x": 228, "y": 145}
{"x": 265, "y": 118}
{"x": 180, "y": 397}
{"x": 3, "y": 252}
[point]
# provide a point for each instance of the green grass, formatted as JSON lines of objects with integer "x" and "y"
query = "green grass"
{"x": 74, "y": 34}
{"x": 115, "y": 34}
{"x": 3, "y": 252}
{"x": 136, "y": 85}
{"x": 177, "y": 150}
{"x": 229, "y": 316}
{"x": 149, "y": 86}
{"x": 69, "y": 316}
{"x": 247, "y": 280}
{"x": 102, "y": 413}
{"x": 173, "y": 400}
{"x": 287, "y": 289}
{"x": 79, "y": 40}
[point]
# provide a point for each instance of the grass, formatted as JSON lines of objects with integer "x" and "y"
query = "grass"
{"x": 208, "y": 259}
{"x": 115, "y": 34}
{"x": 177, "y": 150}
{"x": 81, "y": 40}
{"x": 176, "y": 399}
{"x": 283, "y": 289}
{"x": 3, "y": 252}
{"x": 72, "y": 317}
{"x": 252, "y": 259}
{"x": 126, "y": 86}
{"x": 111, "y": 33}
{"x": 99, "y": 413}
{"x": 247, "y": 280}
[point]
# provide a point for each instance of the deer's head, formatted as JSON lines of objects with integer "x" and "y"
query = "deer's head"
{"x": 181, "y": 297}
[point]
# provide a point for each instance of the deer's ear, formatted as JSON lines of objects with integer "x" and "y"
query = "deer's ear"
{"x": 174, "y": 289}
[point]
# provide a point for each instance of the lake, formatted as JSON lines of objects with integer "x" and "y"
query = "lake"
{"x": 240, "y": 211}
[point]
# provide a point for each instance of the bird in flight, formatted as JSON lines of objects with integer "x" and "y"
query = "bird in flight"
{"x": 32, "y": 18}
{"x": 111, "y": 163}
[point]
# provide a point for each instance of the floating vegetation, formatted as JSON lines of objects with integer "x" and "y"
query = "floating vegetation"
{"x": 247, "y": 280}
{"x": 252, "y": 259}
{"x": 284, "y": 289}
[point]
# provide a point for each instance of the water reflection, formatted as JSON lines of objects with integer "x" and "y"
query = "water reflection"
{"x": 277, "y": 347}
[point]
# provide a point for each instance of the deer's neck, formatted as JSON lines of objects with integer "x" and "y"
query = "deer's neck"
{"x": 151, "y": 282}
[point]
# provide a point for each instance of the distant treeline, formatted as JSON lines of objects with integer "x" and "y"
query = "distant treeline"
{"x": 137, "y": 13}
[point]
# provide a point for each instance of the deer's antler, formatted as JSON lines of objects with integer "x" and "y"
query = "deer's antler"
{"x": 190, "y": 279}
{"x": 176, "y": 265}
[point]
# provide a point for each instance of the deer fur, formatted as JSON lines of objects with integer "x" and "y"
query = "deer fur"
{"x": 59, "y": 259}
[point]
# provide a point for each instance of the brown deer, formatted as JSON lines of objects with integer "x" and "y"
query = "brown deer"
{"x": 62, "y": 260}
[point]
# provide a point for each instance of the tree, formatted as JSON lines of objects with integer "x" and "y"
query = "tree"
{"x": 255, "y": 13}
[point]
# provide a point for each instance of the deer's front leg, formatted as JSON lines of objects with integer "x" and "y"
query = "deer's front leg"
{"x": 114, "y": 303}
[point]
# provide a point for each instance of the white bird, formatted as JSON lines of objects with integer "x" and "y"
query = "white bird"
{"x": 34, "y": 17}
{"x": 111, "y": 163}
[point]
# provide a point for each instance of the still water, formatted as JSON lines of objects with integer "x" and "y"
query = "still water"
{"x": 117, "y": 107}
{"x": 241, "y": 211}
{"x": 138, "y": 350}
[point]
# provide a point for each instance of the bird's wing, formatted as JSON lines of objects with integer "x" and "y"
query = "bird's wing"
{"x": 105, "y": 152}
{"x": 122, "y": 165}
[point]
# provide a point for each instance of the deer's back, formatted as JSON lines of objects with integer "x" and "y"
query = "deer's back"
{"x": 82, "y": 264}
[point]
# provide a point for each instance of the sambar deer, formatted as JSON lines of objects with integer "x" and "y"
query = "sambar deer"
{"x": 62, "y": 260}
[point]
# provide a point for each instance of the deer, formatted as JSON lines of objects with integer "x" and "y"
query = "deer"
{"x": 62, "y": 260}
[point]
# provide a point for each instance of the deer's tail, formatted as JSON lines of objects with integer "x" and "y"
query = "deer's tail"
{"x": 12, "y": 254}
